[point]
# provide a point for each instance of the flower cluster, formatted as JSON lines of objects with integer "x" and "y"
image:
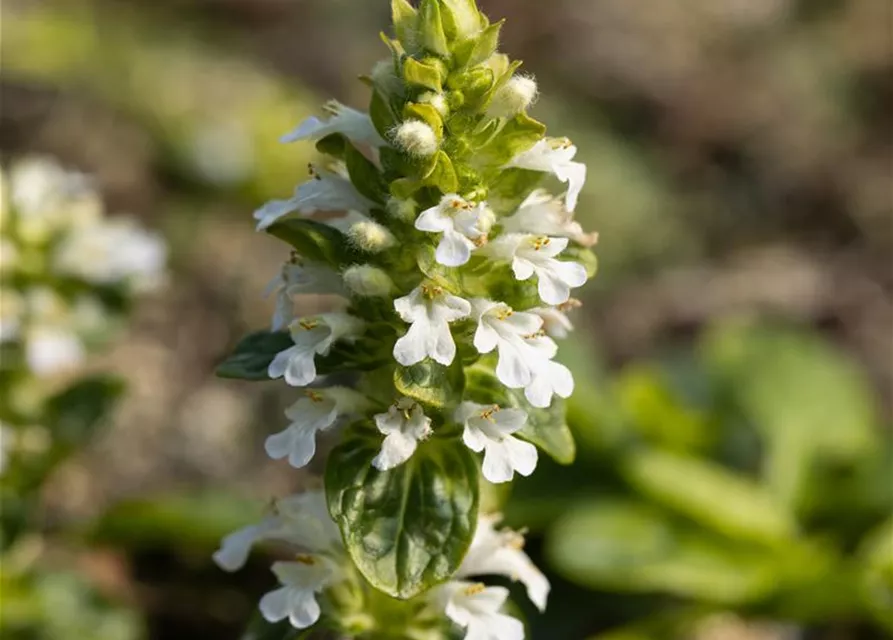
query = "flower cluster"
{"x": 66, "y": 275}
{"x": 455, "y": 270}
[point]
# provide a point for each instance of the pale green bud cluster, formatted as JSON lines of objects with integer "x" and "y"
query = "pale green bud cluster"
{"x": 456, "y": 272}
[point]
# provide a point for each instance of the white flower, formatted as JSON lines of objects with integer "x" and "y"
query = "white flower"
{"x": 489, "y": 429}
{"x": 295, "y": 279}
{"x": 355, "y": 125}
{"x": 316, "y": 412}
{"x": 296, "y": 598}
{"x": 542, "y": 214}
{"x": 462, "y": 223}
{"x": 556, "y": 324}
{"x": 301, "y": 520}
{"x": 549, "y": 377}
{"x": 326, "y": 191}
{"x": 50, "y": 350}
{"x": 113, "y": 251}
{"x": 531, "y": 255}
{"x": 475, "y": 608}
{"x": 311, "y": 336}
{"x": 555, "y": 155}
{"x": 403, "y": 426}
{"x": 505, "y": 330}
{"x": 429, "y": 310}
{"x": 501, "y": 553}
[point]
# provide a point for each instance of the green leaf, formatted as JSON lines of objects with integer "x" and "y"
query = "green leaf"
{"x": 404, "y": 17}
{"x": 876, "y": 553}
{"x": 431, "y": 383}
{"x": 431, "y": 27}
{"x": 418, "y": 73}
{"x": 404, "y": 188}
{"x": 443, "y": 175}
{"x": 427, "y": 114}
{"x": 626, "y": 546}
{"x": 409, "y": 528}
{"x": 382, "y": 115}
{"x": 545, "y": 428}
{"x": 315, "y": 241}
{"x": 461, "y": 18}
{"x": 74, "y": 414}
{"x": 476, "y": 50}
{"x": 254, "y": 353}
{"x": 519, "y": 134}
{"x": 364, "y": 175}
{"x": 728, "y": 503}
{"x": 475, "y": 85}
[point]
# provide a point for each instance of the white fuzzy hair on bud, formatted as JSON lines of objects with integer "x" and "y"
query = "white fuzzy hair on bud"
{"x": 403, "y": 210}
{"x": 514, "y": 96}
{"x": 370, "y": 236}
{"x": 368, "y": 281}
{"x": 416, "y": 138}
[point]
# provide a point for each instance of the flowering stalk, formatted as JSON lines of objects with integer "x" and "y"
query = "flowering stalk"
{"x": 456, "y": 271}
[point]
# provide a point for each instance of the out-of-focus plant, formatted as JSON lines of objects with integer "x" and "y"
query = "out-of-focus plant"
{"x": 67, "y": 277}
{"x": 755, "y": 479}
{"x": 456, "y": 271}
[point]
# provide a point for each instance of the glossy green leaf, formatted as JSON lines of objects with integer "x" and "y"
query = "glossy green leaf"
{"x": 461, "y": 18}
{"x": 382, "y": 115}
{"x": 315, "y": 241}
{"x": 626, "y": 546}
{"x": 427, "y": 114}
{"x": 254, "y": 353}
{"x": 546, "y": 428}
{"x": 364, "y": 175}
{"x": 443, "y": 175}
{"x": 431, "y": 383}
{"x": 519, "y": 134}
{"x": 409, "y": 528}
{"x": 718, "y": 498}
{"x": 423, "y": 75}
{"x": 476, "y": 50}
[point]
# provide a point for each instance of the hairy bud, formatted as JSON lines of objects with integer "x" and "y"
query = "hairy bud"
{"x": 416, "y": 138}
{"x": 368, "y": 281}
{"x": 371, "y": 237}
{"x": 513, "y": 97}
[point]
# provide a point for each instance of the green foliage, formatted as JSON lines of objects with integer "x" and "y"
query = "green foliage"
{"x": 317, "y": 241}
{"x": 253, "y": 355}
{"x": 430, "y": 383}
{"x": 406, "y": 529}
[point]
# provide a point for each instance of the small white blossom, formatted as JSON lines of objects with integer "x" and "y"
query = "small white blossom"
{"x": 296, "y": 279}
{"x": 312, "y": 336}
{"x": 113, "y": 251}
{"x": 296, "y": 598}
{"x": 556, "y": 324}
{"x": 543, "y": 214}
{"x": 555, "y": 156}
{"x": 53, "y": 349}
{"x": 429, "y": 310}
{"x": 476, "y": 608}
{"x": 325, "y": 191}
{"x": 403, "y": 426}
{"x": 315, "y": 412}
{"x": 501, "y": 553}
{"x": 489, "y": 429}
{"x": 355, "y": 125}
{"x": 501, "y": 328}
{"x": 531, "y": 255}
{"x": 301, "y": 520}
{"x": 463, "y": 225}
{"x": 549, "y": 377}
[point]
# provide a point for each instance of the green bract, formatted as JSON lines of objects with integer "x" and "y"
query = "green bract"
{"x": 425, "y": 216}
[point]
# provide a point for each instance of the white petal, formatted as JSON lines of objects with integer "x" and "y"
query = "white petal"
{"x": 497, "y": 465}
{"x": 411, "y": 306}
{"x": 280, "y": 361}
{"x": 539, "y": 392}
{"x": 551, "y": 288}
{"x": 510, "y": 420}
{"x": 395, "y": 450}
{"x": 274, "y": 606}
{"x": 572, "y": 273}
{"x": 513, "y": 368}
{"x": 474, "y": 439}
{"x": 496, "y": 627}
{"x": 298, "y": 443}
{"x": 574, "y": 173}
{"x": 453, "y": 307}
{"x": 301, "y": 370}
{"x": 307, "y": 129}
{"x": 522, "y": 455}
{"x": 304, "y": 609}
{"x": 412, "y": 347}
{"x": 485, "y": 337}
{"x": 524, "y": 323}
{"x": 234, "y": 548}
{"x": 433, "y": 220}
{"x": 562, "y": 379}
{"x": 444, "y": 350}
{"x": 454, "y": 249}
{"x": 522, "y": 268}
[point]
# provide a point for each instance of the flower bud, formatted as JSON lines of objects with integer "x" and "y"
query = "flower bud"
{"x": 513, "y": 97}
{"x": 436, "y": 100}
{"x": 416, "y": 138}
{"x": 370, "y": 236}
{"x": 368, "y": 281}
{"x": 403, "y": 210}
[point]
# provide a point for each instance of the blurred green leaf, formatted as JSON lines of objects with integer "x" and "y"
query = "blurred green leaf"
{"x": 720, "y": 499}
{"x": 315, "y": 241}
{"x": 876, "y": 554}
{"x": 626, "y": 546}
{"x": 76, "y": 412}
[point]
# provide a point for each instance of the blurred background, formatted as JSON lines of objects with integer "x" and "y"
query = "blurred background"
{"x": 734, "y": 356}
